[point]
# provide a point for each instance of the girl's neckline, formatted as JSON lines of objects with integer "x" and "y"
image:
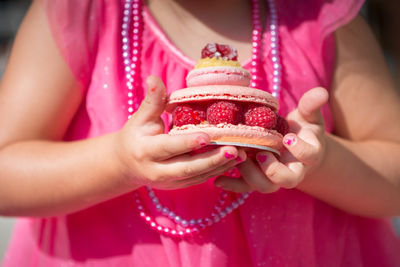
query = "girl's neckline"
{"x": 169, "y": 44}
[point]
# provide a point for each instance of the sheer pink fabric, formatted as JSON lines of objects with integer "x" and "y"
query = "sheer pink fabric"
{"x": 287, "y": 228}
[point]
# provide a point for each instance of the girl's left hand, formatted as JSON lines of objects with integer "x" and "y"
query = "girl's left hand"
{"x": 305, "y": 150}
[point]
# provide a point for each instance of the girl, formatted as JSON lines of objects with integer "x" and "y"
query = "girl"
{"x": 70, "y": 158}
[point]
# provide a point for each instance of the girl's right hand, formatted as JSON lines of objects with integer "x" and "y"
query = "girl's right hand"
{"x": 162, "y": 161}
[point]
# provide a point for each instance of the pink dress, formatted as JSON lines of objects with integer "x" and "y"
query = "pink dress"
{"x": 286, "y": 228}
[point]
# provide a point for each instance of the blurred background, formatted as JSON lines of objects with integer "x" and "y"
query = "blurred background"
{"x": 383, "y": 16}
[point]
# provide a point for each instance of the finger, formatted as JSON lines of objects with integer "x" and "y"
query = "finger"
{"x": 232, "y": 184}
{"x": 284, "y": 176}
{"x": 185, "y": 166}
{"x": 154, "y": 103}
{"x": 215, "y": 173}
{"x": 164, "y": 146}
{"x": 255, "y": 178}
{"x": 310, "y": 104}
{"x": 307, "y": 152}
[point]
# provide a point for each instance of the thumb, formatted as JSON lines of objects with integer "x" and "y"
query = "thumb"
{"x": 154, "y": 103}
{"x": 310, "y": 104}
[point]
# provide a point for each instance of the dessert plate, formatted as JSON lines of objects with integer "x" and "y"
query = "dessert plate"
{"x": 246, "y": 145}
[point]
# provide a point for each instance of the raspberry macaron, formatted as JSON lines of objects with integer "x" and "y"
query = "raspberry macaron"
{"x": 219, "y": 102}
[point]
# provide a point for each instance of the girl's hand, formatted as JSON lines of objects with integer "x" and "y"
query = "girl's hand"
{"x": 150, "y": 157}
{"x": 305, "y": 150}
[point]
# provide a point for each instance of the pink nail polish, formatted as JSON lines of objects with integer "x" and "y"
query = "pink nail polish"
{"x": 262, "y": 158}
{"x": 201, "y": 141}
{"x": 290, "y": 141}
{"x": 229, "y": 155}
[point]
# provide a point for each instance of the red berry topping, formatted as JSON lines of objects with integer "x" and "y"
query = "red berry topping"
{"x": 258, "y": 115}
{"x": 282, "y": 125}
{"x": 209, "y": 50}
{"x": 224, "y": 111}
{"x": 226, "y": 52}
{"x": 188, "y": 114}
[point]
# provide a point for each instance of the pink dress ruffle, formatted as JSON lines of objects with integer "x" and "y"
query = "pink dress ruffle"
{"x": 286, "y": 228}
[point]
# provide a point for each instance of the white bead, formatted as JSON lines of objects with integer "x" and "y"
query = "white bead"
{"x": 165, "y": 211}
{"x": 277, "y": 66}
{"x": 228, "y": 210}
{"x": 276, "y": 80}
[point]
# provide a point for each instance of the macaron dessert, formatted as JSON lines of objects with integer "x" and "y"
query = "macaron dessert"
{"x": 219, "y": 102}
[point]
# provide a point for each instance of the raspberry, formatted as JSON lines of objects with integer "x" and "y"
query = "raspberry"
{"x": 224, "y": 112}
{"x": 227, "y": 52}
{"x": 188, "y": 114}
{"x": 209, "y": 50}
{"x": 282, "y": 125}
{"x": 258, "y": 115}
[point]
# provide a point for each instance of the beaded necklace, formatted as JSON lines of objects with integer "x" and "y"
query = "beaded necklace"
{"x": 131, "y": 34}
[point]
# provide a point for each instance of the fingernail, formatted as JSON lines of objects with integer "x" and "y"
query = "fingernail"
{"x": 153, "y": 89}
{"x": 201, "y": 141}
{"x": 229, "y": 155}
{"x": 291, "y": 140}
{"x": 262, "y": 158}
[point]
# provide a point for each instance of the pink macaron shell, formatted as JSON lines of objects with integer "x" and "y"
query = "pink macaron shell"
{"x": 234, "y": 133}
{"x": 221, "y": 92}
{"x": 218, "y": 76}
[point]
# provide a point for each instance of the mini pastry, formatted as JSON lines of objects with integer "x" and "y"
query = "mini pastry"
{"x": 219, "y": 102}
